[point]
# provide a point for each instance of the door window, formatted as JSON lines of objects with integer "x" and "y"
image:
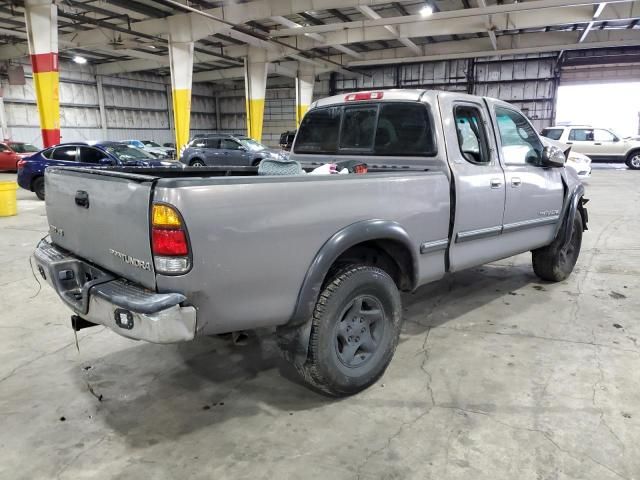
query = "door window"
{"x": 520, "y": 143}
{"x": 581, "y": 135}
{"x": 472, "y": 138}
{"x": 552, "y": 133}
{"x": 212, "y": 143}
{"x": 600, "y": 135}
{"x": 3, "y": 148}
{"x": 229, "y": 144}
{"x": 66, "y": 154}
{"x": 358, "y": 127}
{"x": 90, "y": 155}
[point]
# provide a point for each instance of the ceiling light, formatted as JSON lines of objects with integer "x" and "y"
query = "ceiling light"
{"x": 79, "y": 59}
{"x": 151, "y": 46}
{"x": 426, "y": 11}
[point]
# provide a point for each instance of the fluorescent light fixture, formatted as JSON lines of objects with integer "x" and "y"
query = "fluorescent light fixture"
{"x": 79, "y": 59}
{"x": 151, "y": 46}
{"x": 426, "y": 11}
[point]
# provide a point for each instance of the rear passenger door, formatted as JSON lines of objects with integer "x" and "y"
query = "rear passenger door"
{"x": 534, "y": 194}
{"x": 478, "y": 180}
{"x": 582, "y": 141}
{"x": 211, "y": 151}
{"x": 232, "y": 152}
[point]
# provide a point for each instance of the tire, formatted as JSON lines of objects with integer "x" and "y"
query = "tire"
{"x": 555, "y": 263}
{"x": 354, "y": 332}
{"x": 38, "y": 187}
{"x": 197, "y": 163}
{"x": 633, "y": 160}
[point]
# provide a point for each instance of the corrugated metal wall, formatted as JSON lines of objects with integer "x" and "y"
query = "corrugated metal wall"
{"x": 527, "y": 81}
{"x": 136, "y": 106}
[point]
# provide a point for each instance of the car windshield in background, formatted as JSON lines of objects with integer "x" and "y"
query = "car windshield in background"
{"x": 251, "y": 144}
{"x": 126, "y": 153}
{"x": 149, "y": 143}
{"x": 23, "y": 147}
{"x": 552, "y": 133}
{"x": 390, "y": 129}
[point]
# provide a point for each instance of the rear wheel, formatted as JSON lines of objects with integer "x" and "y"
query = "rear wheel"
{"x": 38, "y": 187}
{"x": 197, "y": 163}
{"x": 555, "y": 262}
{"x": 633, "y": 160}
{"x": 355, "y": 329}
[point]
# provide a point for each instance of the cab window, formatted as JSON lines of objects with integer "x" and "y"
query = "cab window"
{"x": 319, "y": 131}
{"x": 520, "y": 143}
{"x": 472, "y": 138}
{"x": 404, "y": 129}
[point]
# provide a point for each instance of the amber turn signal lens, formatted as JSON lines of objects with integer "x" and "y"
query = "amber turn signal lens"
{"x": 165, "y": 216}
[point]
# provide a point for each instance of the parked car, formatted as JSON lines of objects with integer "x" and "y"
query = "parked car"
{"x": 286, "y": 140}
{"x": 155, "y": 149}
{"x": 225, "y": 149}
{"x": 82, "y": 154}
{"x": 600, "y": 144}
{"x": 8, "y": 158}
{"x": 322, "y": 258}
{"x": 169, "y": 150}
{"x": 169, "y": 145}
{"x": 580, "y": 163}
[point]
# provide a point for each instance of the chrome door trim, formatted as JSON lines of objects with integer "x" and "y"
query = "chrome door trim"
{"x": 477, "y": 234}
{"x": 534, "y": 222}
{"x": 434, "y": 246}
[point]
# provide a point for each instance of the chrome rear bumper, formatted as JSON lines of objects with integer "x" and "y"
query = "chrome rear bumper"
{"x": 126, "y": 308}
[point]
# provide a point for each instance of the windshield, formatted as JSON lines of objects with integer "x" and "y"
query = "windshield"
{"x": 23, "y": 147}
{"x": 125, "y": 153}
{"x": 149, "y": 143}
{"x": 251, "y": 144}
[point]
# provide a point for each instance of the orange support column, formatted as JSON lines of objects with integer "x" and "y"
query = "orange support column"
{"x": 42, "y": 29}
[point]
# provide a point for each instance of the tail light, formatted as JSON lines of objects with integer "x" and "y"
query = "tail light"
{"x": 21, "y": 163}
{"x": 169, "y": 241}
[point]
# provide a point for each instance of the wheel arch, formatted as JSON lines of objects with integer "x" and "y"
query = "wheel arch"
{"x": 388, "y": 238}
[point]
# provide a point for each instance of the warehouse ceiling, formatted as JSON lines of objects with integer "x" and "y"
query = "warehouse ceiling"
{"x": 119, "y": 36}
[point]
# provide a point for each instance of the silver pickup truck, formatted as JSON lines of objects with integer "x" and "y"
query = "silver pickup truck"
{"x": 453, "y": 181}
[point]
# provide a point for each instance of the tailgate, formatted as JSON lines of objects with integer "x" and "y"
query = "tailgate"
{"x": 103, "y": 217}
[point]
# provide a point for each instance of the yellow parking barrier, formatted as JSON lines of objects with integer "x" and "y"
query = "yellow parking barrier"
{"x": 8, "y": 204}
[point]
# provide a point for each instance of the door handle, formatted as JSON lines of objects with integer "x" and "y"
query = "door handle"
{"x": 496, "y": 183}
{"x": 515, "y": 182}
{"x": 82, "y": 199}
{"x": 597, "y": 143}
{"x": 569, "y": 143}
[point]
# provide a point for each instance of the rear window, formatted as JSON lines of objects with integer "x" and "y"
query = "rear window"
{"x": 389, "y": 129}
{"x": 552, "y": 133}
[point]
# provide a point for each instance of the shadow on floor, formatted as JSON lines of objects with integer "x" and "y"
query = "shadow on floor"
{"x": 153, "y": 393}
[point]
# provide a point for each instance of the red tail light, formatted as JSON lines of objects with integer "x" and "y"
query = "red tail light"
{"x": 170, "y": 243}
{"x": 360, "y": 169}
{"x": 21, "y": 163}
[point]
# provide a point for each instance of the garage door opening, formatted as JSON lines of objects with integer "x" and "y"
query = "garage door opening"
{"x": 615, "y": 106}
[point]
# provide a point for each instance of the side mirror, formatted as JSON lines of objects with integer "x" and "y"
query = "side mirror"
{"x": 552, "y": 157}
{"x": 107, "y": 161}
{"x": 616, "y": 139}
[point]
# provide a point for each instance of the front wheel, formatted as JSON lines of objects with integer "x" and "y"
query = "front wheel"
{"x": 633, "y": 161}
{"x": 354, "y": 333}
{"x": 197, "y": 163}
{"x": 555, "y": 262}
{"x": 38, "y": 187}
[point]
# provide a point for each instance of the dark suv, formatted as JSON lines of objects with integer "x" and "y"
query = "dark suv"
{"x": 224, "y": 149}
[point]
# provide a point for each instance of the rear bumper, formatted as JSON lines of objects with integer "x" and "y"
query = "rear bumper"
{"x": 99, "y": 297}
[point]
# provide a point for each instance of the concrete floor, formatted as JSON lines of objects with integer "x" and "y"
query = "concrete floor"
{"x": 498, "y": 376}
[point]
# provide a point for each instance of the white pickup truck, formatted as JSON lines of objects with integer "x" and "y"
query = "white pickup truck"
{"x": 454, "y": 181}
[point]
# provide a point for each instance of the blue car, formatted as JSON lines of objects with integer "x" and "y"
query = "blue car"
{"x": 82, "y": 154}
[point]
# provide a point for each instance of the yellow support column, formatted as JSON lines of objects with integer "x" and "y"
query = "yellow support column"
{"x": 181, "y": 63}
{"x": 255, "y": 84}
{"x": 41, "y": 18}
{"x": 304, "y": 90}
